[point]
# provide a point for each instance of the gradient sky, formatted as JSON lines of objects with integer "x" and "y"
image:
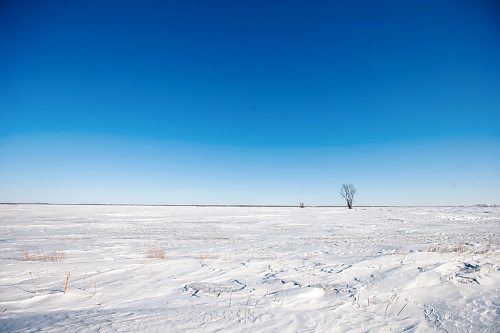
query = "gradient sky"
{"x": 250, "y": 102}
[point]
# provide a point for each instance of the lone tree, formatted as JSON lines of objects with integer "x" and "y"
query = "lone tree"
{"x": 347, "y": 191}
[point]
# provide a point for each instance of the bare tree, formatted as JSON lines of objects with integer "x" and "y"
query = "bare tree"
{"x": 301, "y": 204}
{"x": 347, "y": 191}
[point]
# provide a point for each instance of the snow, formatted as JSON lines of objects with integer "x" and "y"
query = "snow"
{"x": 249, "y": 269}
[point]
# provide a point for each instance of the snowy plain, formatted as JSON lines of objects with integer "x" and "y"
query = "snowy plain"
{"x": 249, "y": 269}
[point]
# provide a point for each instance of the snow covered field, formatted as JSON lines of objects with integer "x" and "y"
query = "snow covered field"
{"x": 177, "y": 269}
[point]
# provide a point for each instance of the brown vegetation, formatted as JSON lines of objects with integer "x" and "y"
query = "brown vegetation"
{"x": 56, "y": 256}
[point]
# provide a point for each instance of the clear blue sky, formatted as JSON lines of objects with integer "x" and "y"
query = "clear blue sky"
{"x": 253, "y": 102}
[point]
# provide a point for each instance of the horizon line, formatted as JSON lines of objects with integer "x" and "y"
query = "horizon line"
{"x": 237, "y": 205}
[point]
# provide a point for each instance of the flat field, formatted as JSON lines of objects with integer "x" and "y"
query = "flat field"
{"x": 193, "y": 269}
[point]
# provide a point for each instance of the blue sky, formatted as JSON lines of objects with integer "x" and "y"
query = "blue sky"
{"x": 265, "y": 102}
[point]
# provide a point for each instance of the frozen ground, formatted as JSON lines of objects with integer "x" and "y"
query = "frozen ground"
{"x": 249, "y": 269}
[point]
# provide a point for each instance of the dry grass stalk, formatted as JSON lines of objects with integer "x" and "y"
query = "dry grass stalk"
{"x": 156, "y": 252}
{"x": 66, "y": 283}
{"x": 246, "y": 306}
{"x": 33, "y": 281}
{"x": 458, "y": 247}
{"x": 404, "y": 306}
{"x": 56, "y": 256}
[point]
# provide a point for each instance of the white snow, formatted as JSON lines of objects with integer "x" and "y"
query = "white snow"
{"x": 249, "y": 269}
